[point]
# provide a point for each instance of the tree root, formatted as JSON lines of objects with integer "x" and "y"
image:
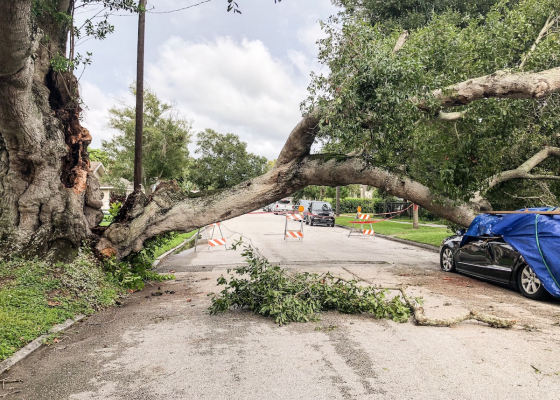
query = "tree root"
{"x": 422, "y": 319}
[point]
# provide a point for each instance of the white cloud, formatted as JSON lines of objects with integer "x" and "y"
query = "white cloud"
{"x": 232, "y": 86}
{"x": 95, "y": 114}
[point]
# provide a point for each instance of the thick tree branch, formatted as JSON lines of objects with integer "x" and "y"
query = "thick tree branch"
{"x": 301, "y": 139}
{"x": 522, "y": 172}
{"x": 326, "y": 170}
{"x": 501, "y": 85}
{"x": 170, "y": 210}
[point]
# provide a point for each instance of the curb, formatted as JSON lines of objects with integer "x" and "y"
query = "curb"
{"x": 160, "y": 258}
{"x": 424, "y": 246}
{"x": 36, "y": 343}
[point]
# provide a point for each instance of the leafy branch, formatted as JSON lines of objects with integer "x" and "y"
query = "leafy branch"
{"x": 287, "y": 297}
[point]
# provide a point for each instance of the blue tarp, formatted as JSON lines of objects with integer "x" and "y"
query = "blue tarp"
{"x": 535, "y": 236}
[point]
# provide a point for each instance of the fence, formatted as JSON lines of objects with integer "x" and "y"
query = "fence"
{"x": 375, "y": 206}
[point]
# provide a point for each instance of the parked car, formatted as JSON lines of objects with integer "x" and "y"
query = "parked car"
{"x": 268, "y": 208}
{"x": 283, "y": 206}
{"x": 492, "y": 259}
{"x": 320, "y": 212}
{"x": 305, "y": 204}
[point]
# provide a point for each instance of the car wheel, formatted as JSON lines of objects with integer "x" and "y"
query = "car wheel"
{"x": 446, "y": 259}
{"x": 529, "y": 285}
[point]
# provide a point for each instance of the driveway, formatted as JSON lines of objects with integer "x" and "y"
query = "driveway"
{"x": 168, "y": 347}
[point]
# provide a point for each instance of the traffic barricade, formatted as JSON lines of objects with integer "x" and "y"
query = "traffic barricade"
{"x": 294, "y": 233}
{"x": 361, "y": 220}
{"x": 212, "y": 242}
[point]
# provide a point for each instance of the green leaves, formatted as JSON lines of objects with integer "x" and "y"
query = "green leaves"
{"x": 368, "y": 100}
{"x": 271, "y": 291}
{"x": 224, "y": 161}
{"x": 165, "y": 139}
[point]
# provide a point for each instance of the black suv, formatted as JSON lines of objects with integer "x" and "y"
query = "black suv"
{"x": 320, "y": 212}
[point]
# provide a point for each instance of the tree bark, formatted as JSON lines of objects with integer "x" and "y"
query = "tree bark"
{"x": 501, "y": 85}
{"x": 48, "y": 199}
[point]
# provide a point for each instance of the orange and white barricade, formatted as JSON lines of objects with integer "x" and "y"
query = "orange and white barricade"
{"x": 294, "y": 233}
{"x": 361, "y": 220}
{"x": 212, "y": 242}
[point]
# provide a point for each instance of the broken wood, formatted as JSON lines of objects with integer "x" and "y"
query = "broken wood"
{"x": 422, "y": 319}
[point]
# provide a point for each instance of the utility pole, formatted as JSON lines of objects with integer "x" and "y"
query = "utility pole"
{"x": 338, "y": 201}
{"x": 139, "y": 97}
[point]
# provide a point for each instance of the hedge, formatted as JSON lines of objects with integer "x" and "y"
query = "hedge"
{"x": 350, "y": 205}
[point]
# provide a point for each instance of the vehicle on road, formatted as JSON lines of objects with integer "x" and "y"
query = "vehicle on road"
{"x": 492, "y": 259}
{"x": 269, "y": 207}
{"x": 305, "y": 204}
{"x": 283, "y": 206}
{"x": 320, "y": 212}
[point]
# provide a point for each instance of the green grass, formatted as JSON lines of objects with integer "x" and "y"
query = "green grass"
{"x": 176, "y": 241}
{"x": 35, "y": 296}
{"x": 424, "y": 234}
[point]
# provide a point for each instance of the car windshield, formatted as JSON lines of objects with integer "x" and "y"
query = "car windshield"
{"x": 321, "y": 207}
{"x": 284, "y": 202}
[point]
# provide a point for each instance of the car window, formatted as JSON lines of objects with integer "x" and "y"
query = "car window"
{"x": 321, "y": 206}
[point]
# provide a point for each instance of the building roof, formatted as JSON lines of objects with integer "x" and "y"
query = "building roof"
{"x": 94, "y": 166}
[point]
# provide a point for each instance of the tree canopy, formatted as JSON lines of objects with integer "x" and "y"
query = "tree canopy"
{"x": 223, "y": 161}
{"x": 370, "y": 100}
{"x": 165, "y": 138}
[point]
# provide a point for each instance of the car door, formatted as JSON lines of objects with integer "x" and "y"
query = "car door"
{"x": 504, "y": 258}
{"x": 474, "y": 257}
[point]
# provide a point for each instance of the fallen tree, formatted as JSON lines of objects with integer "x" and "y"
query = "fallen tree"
{"x": 50, "y": 202}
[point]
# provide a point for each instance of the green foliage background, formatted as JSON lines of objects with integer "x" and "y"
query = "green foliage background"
{"x": 368, "y": 99}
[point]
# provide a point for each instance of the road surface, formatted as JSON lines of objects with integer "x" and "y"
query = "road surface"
{"x": 169, "y": 347}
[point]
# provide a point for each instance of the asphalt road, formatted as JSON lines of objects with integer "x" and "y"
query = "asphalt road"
{"x": 168, "y": 347}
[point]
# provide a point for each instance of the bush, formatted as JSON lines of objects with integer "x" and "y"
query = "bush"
{"x": 350, "y": 205}
{"x": 135, "y": 269}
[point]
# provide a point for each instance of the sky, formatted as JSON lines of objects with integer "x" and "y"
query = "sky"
{"x": 245, "y": 74}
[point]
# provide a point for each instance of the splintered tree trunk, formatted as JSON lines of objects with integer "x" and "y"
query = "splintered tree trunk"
{"x": 48, "y": 199}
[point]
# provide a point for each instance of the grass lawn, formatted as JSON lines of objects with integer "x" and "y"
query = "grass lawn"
{"x": 425, "y": 234}
{"x": 35, "y": 296}
{"x": 176, "y": 241}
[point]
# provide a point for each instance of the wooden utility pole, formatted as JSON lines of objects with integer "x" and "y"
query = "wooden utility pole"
{"x": 338, "y": 201}
{"x": 139, "y": 98}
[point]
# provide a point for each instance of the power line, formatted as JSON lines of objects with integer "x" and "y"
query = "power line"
{"x": 179, "y": 9}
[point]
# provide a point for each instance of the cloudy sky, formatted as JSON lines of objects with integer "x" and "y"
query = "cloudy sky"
{"x": 245, "y": 74}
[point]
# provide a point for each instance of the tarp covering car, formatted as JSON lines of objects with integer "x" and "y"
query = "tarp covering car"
{"x": 536, "y": 237}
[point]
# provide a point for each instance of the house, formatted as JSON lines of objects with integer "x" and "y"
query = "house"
{"x": 98, "y": 170}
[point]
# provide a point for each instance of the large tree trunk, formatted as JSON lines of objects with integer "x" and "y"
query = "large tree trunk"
{"x": 48, "y": 200}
